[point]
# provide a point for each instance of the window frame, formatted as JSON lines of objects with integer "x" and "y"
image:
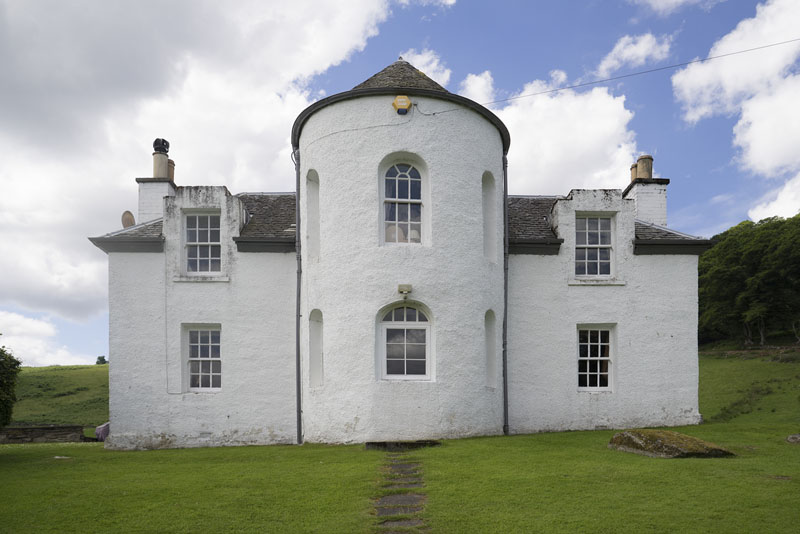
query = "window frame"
{"x": 189, "y": 359}
{"x": 187, "y": 244}
{"x": 385, "y": 200}
{"x": 385, "y": 326}
{"x": 611, "y": 357}
{"x": 586, "y": 246}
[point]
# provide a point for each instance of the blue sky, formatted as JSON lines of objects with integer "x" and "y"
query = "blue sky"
{"x": 88, "y": 86}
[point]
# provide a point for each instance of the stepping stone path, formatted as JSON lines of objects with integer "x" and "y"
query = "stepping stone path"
{"x": 401, "y": 510}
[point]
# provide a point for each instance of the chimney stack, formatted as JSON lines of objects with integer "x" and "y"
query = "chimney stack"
{"x": 153, "y": 190}
{"x": 649, "y": 194}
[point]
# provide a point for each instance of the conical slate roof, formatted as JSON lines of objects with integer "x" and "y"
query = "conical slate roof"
{"x": 401, "y": 74}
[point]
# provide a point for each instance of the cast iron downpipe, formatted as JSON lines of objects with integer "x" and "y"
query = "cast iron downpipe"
{"x": 298, "y": 379}
{"x": 505, "y": 293}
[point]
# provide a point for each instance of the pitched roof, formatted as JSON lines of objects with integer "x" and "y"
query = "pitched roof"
{"x": 143, "y": 237}
{"x": 270, "y": 216}
{"x": 401, "y": 74}
{"x": 529, "y": 218}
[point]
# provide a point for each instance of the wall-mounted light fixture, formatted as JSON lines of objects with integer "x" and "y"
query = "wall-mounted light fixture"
{"x": 404, "y": 289}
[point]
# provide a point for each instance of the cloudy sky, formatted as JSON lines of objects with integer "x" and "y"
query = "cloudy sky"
{"x": 85, "y": 87}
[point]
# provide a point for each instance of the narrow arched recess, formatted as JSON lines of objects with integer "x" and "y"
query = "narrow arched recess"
{"x": 316, "y": 368}
{"x": 490, "y": 337}
{"x": 489, "y": 217}
{"x": 312, "y": 215}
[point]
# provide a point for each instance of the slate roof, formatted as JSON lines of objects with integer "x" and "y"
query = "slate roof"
{"x": 529, "y": 218}
{"x": 271, "y": 219}
{"x": 272, "y": 216}
{"x": 401, "y": 74}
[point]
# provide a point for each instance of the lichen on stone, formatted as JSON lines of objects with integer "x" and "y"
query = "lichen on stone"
{"x": 665, "y": 444}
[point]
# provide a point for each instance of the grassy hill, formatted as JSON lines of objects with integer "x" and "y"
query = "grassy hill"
{"x": 64, "y": 395}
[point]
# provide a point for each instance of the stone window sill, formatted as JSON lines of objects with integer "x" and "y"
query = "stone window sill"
{"x": 201, "y": 279}
{"x": 596, "y": 282}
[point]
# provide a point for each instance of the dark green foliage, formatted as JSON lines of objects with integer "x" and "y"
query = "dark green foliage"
{"x": 101, "y": 360}
{"x": 9, "y": 369}
{"x": 750, "y": 281}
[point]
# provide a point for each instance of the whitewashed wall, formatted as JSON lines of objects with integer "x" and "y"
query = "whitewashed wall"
{"x": 151, "y": 300}
{"x": 355, "y": 277}
{"x": 652, "y": 301}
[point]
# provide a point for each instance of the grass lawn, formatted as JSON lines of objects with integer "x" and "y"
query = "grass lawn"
{"x": 559, "y": 482}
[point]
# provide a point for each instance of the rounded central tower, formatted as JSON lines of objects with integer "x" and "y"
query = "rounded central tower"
{"x": 401, "y": 232}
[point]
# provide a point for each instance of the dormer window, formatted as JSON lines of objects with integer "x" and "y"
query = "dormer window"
{"x": 402, "y": 204}
{"x": 593, "y": 246}
{"x": 203, "y": 248}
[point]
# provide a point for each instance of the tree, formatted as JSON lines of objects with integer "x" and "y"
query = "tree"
{"x": 101, "y": 360}
{"x": 9, "y": 369}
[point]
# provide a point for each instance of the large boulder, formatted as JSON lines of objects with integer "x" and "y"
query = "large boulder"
{"x": 665, "y": 444}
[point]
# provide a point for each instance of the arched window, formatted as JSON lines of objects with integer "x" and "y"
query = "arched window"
{"x": 405, "y": 344}
{"x": 402, "y": 204}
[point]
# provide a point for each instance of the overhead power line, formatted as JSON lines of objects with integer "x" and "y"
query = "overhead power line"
{"x": 639, "y": 73}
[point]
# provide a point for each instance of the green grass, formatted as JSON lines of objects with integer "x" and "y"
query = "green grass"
{"x": 64, "y": 395}
{"x": 558, "y": 482}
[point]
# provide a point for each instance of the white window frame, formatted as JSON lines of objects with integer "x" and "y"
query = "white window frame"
{"x": 590, "y": 350}
{"x": 394, "y": 220}
{"x": 584, "y": 247}
{"x": 201, "y": 346}
{"x": 394, "y": 324}
{"x": 188, "y": 244}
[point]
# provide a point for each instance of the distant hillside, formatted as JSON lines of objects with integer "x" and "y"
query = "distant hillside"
{"x": 66, "y": 395}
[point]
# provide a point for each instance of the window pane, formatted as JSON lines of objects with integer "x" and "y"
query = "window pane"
{"x": 416, "y": 189}
{"x": 204, "y": 336}
{"x": 402, "y": 167}
{"x": 191, "y": 222}
{"x": 214, "y": 266}
{"x": 591, "y": 268}
{"x": 194, "y": 351}
{"x": 399, "y": 314}
{"x": 414, "y": 173}
{"x": 390, "y": 210}
{"x": 402, "y": 212}
{"x": 215, "y": 336}
{"x": 202, "y": 222}
{"x": 216, "y": 367}
{"x": 580, "y": 268}
{"x": 395, "y": 335}
{"x": 391, "y": 188}
{"x": 415, "y": 335}
{"x": 194, "y": 381}
{"x": 395, "y": 351}
{"x": 582, "y": 366}
{"x": 215, "y": 351}
{"x": 205, "y": 367}
{"x": 214, "y": 222}
{"x": 411, "y": 314}
{"x": 202, "y": 266}
{"x": 395, "y": 367}
{"x": 580, "y": 223}
{"x": 415, "y": 367}
{"x": 605, "y": 268}
{"x": 592, "y": 238}
{"x": 583, "y": 351}
{"x": 592, "y": 381}
{"x": 205, "y": 381}
{"x": 416, "y": 212}
{"x": 593, "y": 336}
{"x": 583, "y": 336}
{"x": 191, "y": 236}
{"x": 415, "y": 233}
{"x": 192, "y": 252}
{"x": 582, "y": 381}
{"x": 592, "y": 366}
{"x": 204, "y": 351}
{"x": 591, "y": 224}
{"x": 191, "y": 266}
{"x": 422, "y": 316}
{"x": 603, "y": 336}
{"x": 216, "y": 381}
{"x": 415, "y": 352}
{"x": 604, "y": 254}
{"x": 402, "y": 188}
{"x": 214, "y": 237}
{"x": 392, "y": 172}
{"x": 593, "y": 353}
{"x": 216, "y": 251}
{"x": 194, "y": 367}
{"x": 605, "y": 238}
{"x": 605, "y": 224}
{"x": 388, "y": 316}
{"x": 194, "y": 336}
{"x": 603, "y": 381}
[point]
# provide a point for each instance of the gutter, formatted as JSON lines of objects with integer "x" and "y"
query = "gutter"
{"x": 642, "y": 247}
{"x": 505, "y": 295}
{"x": 298, "y": 401}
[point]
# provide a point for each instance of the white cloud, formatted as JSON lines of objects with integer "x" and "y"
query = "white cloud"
{"x": 769, "y": 129}
{"x": 666, "y": 7}
{"x": 761, "y": 88}
{"x": 32, "y": 341}
{"x": 568, "y": 139}
{"x": 634, "y": 51}
{"x": 83, "y": 98}
{"x": 478, "y": 87}
{"x": 429, "y": 62}
{"x": 720, "y": 86}
{"x": 784, "y": 202}
{"x": 443, "y": 3}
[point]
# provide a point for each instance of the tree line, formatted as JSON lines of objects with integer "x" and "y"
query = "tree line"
{"x": 750, "y": 281}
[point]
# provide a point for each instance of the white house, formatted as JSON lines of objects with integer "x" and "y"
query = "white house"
{"x": 400, "y": 293}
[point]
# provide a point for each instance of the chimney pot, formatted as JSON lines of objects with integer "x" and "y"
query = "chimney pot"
{"x": 644, "y": 167}
{"x": 633, "y": 171}
{"x": 160, "y": 158}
